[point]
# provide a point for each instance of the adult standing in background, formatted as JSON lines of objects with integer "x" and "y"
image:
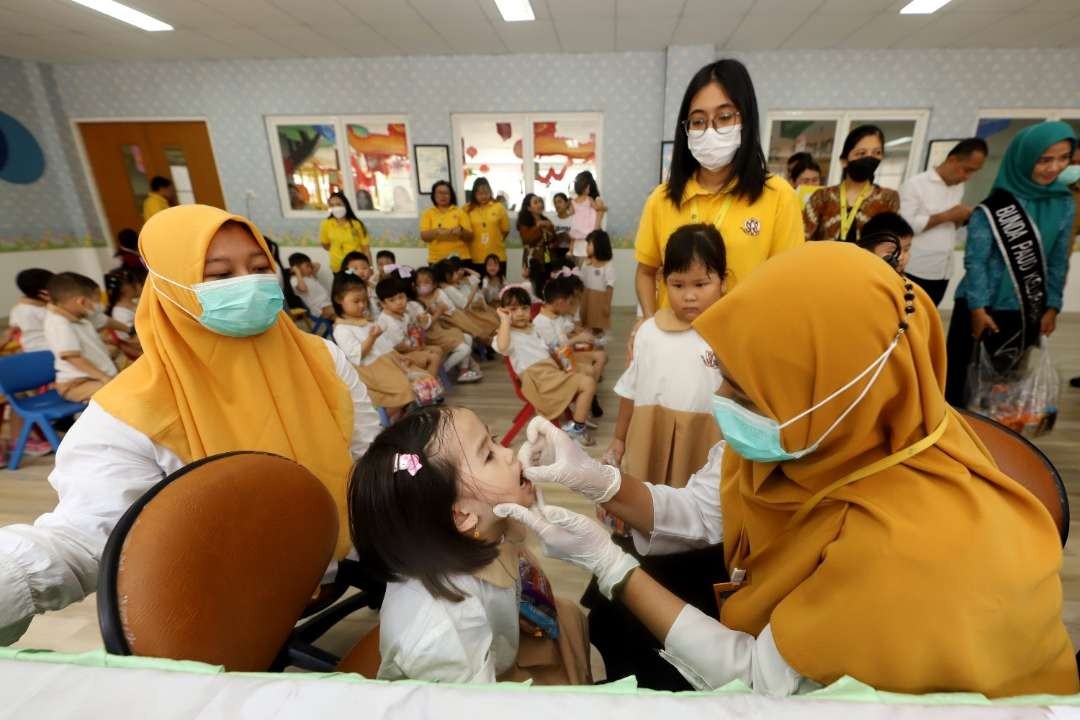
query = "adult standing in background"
{"x": 1071, "y": 177}
{"x": 445, "y": 228}
{"x": 931, "y": 203}
{"x": 805, "y": 175}
{"x": 342, "y": 232}
{"x": 718, "y": 176}
{"x": 838, "y": 212}
{"x": 490, "y": 226}
{"x": 162, "y": 196}
{"x": 1016, "y": 257}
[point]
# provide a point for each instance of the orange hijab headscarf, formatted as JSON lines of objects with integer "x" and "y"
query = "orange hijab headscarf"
{"x": 199, "y": 393}
{"x": 937, "y": 574}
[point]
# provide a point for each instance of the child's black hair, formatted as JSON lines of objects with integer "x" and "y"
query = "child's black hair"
{"x": 558, "y": 195}
{"x": 159, "y": 182}
{"x": 499, "y": 274}
{"x": 298, "y": 258}
{"x": 115, "y": 280}
{"x": 559, "y": 288}
{"x": 515, "y": 296}
{"x": 403, "y": 524}
{"x": 601, "y": 245}
{"x": 66, "y": 285}
{"x": 33, "y": 281}
{"x": 390, "y": 286}
{"x": 128, "y": 239}
{"x": 354, "y": 255}
{"x": 444, "y": 270}
{"x": 385, "y": 254}
{"x": 407, "y": 283}
{"x": 887, "y": 223}
{"x": 695, "y": 243}
{"x": 343, "y": 283}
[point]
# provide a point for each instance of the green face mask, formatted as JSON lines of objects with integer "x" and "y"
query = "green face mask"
{"x": 237, "y": 307}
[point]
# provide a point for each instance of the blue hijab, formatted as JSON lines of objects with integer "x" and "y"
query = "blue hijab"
{"x": 1044, "y": 203}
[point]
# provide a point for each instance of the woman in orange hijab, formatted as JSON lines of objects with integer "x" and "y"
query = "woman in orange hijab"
{"x": 224, "y": 369}
{"x": 872, "y": 534}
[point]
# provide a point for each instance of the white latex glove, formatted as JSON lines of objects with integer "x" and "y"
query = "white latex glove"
{"x": 576, "y": 539}
{"x": 550, "y": 455}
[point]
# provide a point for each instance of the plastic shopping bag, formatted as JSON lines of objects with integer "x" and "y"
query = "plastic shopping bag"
{"x": 1024, "y": 398}
{"x": 426, "y": 389}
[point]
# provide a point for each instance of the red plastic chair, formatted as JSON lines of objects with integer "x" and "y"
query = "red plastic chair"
{"x": 524, "y": 415}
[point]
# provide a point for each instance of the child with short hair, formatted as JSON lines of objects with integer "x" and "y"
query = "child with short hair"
{"x": 448, "y": 276}
{"x": 305, "y": 282}
{"x": 127, "y": 250}
{"x": 564, "y": 212}
{"x": 393, "y": 294}
{"x": 548, "y": 386}
{"x": 82, "y": 361}
{"x": 888, "y": 235}
{"x": 382, "y": 259}
{"x": 665, "y": 418}
{"x": 494, "y": 280}
{"x": 450, "y": 338}
{"x": 555, "y": 325}
{"x": 465, "y": 601}
{"x": 369, "y": 348}
{"x": 26, "y": 322}
{"x": 598, "y": 276}
{"x": 122, "y": 289}
{"x": 358, "y": 264}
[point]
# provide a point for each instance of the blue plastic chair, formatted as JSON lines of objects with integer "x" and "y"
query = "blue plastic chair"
{"x": 321, "y": 326}
{"x": 384, "y": 419}
{"x": 29, "y": 371}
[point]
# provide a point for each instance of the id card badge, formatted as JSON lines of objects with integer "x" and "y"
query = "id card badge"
{"x": 484, "y": 239}
{"x": 722, "y": 591}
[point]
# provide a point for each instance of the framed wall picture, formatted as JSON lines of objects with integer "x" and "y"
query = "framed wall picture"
{"x": 666, "y": 148}
{"x": 938, "y": 150}
{"x": 432, "y": 165}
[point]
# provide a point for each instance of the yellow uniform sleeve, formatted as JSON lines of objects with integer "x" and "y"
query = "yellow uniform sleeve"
{"x": 463, "y": 219}
{"x": 324, "y": 234}
{"x": 789, "y": 220}
{"x": 647, "y": 242}
{"x": 427, "y": 221}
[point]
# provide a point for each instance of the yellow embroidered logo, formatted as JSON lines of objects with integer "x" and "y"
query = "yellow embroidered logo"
{"x": 752, "y": 227}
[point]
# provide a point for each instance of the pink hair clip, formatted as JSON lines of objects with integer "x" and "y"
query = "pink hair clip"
{"x": 409, "y": 462}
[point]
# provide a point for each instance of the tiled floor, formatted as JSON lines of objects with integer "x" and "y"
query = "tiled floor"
{"x": 24, "y": 494}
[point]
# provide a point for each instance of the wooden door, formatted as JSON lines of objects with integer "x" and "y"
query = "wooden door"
{"x": 124, "y": 156}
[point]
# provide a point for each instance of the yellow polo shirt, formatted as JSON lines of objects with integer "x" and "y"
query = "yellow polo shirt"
{"x": 443, "y": 247}
{"x": 153, "y": 204}
{"x": 340, "y": 239}
{"x": 752, "y": 232}
{"x": 490, "y": 225}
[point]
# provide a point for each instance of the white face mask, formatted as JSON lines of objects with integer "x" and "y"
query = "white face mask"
{"x": 337, "y": 211}
{"x": 715, "y": 148}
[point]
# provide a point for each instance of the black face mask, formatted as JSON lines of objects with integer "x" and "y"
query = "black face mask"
{"x": 862, "y": 169}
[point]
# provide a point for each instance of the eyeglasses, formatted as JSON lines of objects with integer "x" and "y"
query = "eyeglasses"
{"x": 696, "y": 125}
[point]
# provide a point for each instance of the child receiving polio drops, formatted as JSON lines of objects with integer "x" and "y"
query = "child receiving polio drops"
{"x": 465, "y": 602}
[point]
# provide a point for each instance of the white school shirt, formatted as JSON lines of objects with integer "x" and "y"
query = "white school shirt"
{"x": 598, "y": 278}
{"x": 127, "y": 317}
{"x": 75, "y": 336}
{"x": 350, "y": 338}
{"x": 102, "y": 467}
{"x": 526, "y": 349}
{"x": 441, "y": 297}
{"x": 668, "y": 369}
{"x": 921, "y": 196}
{"x": 423, "y": 637}
{"x": 458, "y": 297}
{"x": 395, "y": 330}
{"x": 550, "y": 330}
{"x": 704, "y": 651}
{"x": 30, "y": 319}
{"x": 316, "y": 297}
{"x": 413, "y": 311}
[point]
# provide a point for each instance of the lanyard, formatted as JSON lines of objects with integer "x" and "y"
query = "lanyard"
{"x": 728, "y": 199}
{"x": 847, "y": 218}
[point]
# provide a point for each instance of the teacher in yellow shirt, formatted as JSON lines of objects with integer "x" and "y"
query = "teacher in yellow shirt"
{"x": 718, "y": 176}
{"x": 445, "y": 228}
{"x": 342, "y": 232}
{"x": 490, "y": 225}
{"x": 162, "y": 196}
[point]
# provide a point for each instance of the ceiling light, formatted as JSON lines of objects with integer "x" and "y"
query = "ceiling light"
{"x": 899, "y": 141}
{"x": 923, "y": 7}
{"x": 123, "y": 13}
{"x": 515, "y": 10}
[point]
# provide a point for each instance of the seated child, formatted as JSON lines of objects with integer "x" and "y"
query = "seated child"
{"x": 127, "y": 250}
{"x": 554, "y": 321}
{"x": 454, "y": 342}
{"x": 666, "y": 417}
{"x": 454, "y": 281}
{"x": 382, "y": 259}
{"x": 380, "y": 367}
{"x": 889, "y": 236}
{"x": 308, "y": 287}
{"x": 470, "y": 284}
{"x": 394, "y": 321}
{"x": 26, "y": 323}
{"x": 598, "y": 278}
{"x": 358, "y": 264}
{"x": 465, "y": 601}
{"x": 122, "y": 288}
{"x": 83, "y": 365}
{"x": 494, "y": 280}
{"x": 549, "y": 387}
{"x": 418, "y": 319}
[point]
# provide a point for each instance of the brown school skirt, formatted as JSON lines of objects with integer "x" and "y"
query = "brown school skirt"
{"x": 596, "y": 310}
{"x": 422, "y": 356}
{"x": 487, "y": 319}
{"x": 666, "y": 447}
{"x": 445, "y": 336}
{"x": 387, "y": 383}
{"x": 549, "y": 388}
{"x": 466, "y": 323}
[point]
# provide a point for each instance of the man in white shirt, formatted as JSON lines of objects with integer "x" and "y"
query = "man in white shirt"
{"x": 931, "y": 203}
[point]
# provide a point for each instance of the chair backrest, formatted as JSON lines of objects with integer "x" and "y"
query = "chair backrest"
{"x": 26, "y": 371}
{"x": 217, "y": 562}
{"x": 364, "y": 658}
{"x": 1021, "y": 460}
{"x": 514, "y": 379}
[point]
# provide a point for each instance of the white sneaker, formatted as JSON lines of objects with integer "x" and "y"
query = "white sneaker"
{"x": 470, "y": 376}
{"x": 581, "y": 437}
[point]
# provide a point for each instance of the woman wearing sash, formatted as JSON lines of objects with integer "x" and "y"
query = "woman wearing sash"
{"x": 866, "y": 530}
{"x": 1016, "y": 257}
{"x": 838, "y": 212}
{"x": 718, "y": 175}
